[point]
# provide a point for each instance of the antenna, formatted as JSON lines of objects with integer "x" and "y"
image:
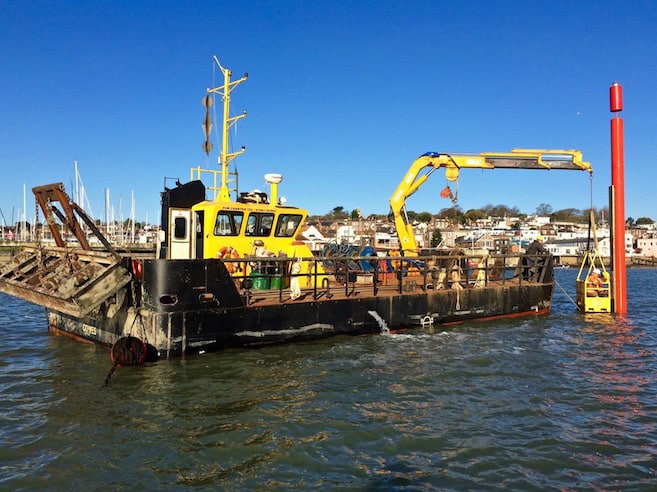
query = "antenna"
{"x": 225, "y": 156}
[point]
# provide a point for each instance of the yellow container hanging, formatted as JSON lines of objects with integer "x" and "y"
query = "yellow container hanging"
{"x": 593, "y": 288}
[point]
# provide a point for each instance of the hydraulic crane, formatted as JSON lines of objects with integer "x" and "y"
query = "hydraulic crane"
{"x": 453, "y": 163}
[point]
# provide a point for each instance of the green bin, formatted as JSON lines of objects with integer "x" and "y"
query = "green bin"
{"x": 278, "y": 282}
{"x": 260, "y": 281}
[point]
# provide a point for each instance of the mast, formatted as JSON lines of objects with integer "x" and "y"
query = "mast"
{"x": 132, "y": 217}
{"x": 107, "y": 212}
{"x": 225, "y": 157}
{"x": 77, "y": 185}
{"x": 24, "y": 222}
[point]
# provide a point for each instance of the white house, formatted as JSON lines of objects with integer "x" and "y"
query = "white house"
{"x": 313, "y": 238}
{"x": 647, "y": 245}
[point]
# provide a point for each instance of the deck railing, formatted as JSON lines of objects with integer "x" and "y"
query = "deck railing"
{"x": 323, "y": 276}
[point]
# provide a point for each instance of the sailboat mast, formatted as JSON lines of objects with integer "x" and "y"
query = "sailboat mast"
{"x": 132, "y": 218}
{"x": 24, "y": 222}
{"x": 77, "y": 185}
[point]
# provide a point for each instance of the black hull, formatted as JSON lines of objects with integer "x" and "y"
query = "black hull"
{"x": 193, "y": 306}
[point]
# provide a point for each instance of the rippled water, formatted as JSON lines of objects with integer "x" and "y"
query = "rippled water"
{"x": 560, "y": 402}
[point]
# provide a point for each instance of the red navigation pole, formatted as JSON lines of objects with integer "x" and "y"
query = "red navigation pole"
{"x": 617, "y": 199}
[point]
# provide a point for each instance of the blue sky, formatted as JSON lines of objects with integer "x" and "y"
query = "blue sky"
{"x": 341, "y": 98}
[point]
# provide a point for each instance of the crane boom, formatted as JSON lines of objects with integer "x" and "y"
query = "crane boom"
{"x": 453, "y": 163}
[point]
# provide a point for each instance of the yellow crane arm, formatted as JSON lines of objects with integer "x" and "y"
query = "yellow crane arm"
{"x": 453, "y": 163}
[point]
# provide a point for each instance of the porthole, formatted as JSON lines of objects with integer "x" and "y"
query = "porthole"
{"x": 168, "y": 299}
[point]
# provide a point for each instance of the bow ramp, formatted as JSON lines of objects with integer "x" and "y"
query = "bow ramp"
{"x": 69, "y": 278}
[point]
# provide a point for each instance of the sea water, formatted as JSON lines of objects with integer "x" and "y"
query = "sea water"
{"x": 565, "y": 401}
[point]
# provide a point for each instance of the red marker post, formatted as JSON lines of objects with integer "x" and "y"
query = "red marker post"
{"x": 617, "y": 195}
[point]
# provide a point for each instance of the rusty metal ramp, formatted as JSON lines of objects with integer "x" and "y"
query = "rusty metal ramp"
{"x": 70, "y": 277}
{"x": 71, "y": 281}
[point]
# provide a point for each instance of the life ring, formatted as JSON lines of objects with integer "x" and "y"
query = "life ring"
{"x": 137, "y": 269}
{"x": 229, "y": 252}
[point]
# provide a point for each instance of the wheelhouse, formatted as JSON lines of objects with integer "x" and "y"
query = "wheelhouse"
{"x": 245, "y": 227}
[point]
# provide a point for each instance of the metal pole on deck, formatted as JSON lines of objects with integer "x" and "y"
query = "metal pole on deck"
{"x": 617, "y": 194}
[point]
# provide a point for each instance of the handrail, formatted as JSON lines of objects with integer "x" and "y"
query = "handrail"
{"x": 409, "y": 273}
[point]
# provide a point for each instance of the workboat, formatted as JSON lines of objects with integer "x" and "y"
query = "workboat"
{"x": 231, "y": 271}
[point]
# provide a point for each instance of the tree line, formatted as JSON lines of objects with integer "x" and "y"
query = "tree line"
{"x": 457, "y": 215}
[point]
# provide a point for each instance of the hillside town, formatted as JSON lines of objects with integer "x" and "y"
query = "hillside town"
{"x": 565, "y": 240}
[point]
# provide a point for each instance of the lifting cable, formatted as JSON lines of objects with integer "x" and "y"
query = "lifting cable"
{"x": 588, "y": 240}
{"x": 591, "y": 214}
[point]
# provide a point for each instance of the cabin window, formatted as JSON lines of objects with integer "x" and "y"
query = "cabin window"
{"x": 259, "y": 224}
{"x": 287, "y": 224}
{"x": 228, "y": 223}
{"x": 180, "y": 228}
